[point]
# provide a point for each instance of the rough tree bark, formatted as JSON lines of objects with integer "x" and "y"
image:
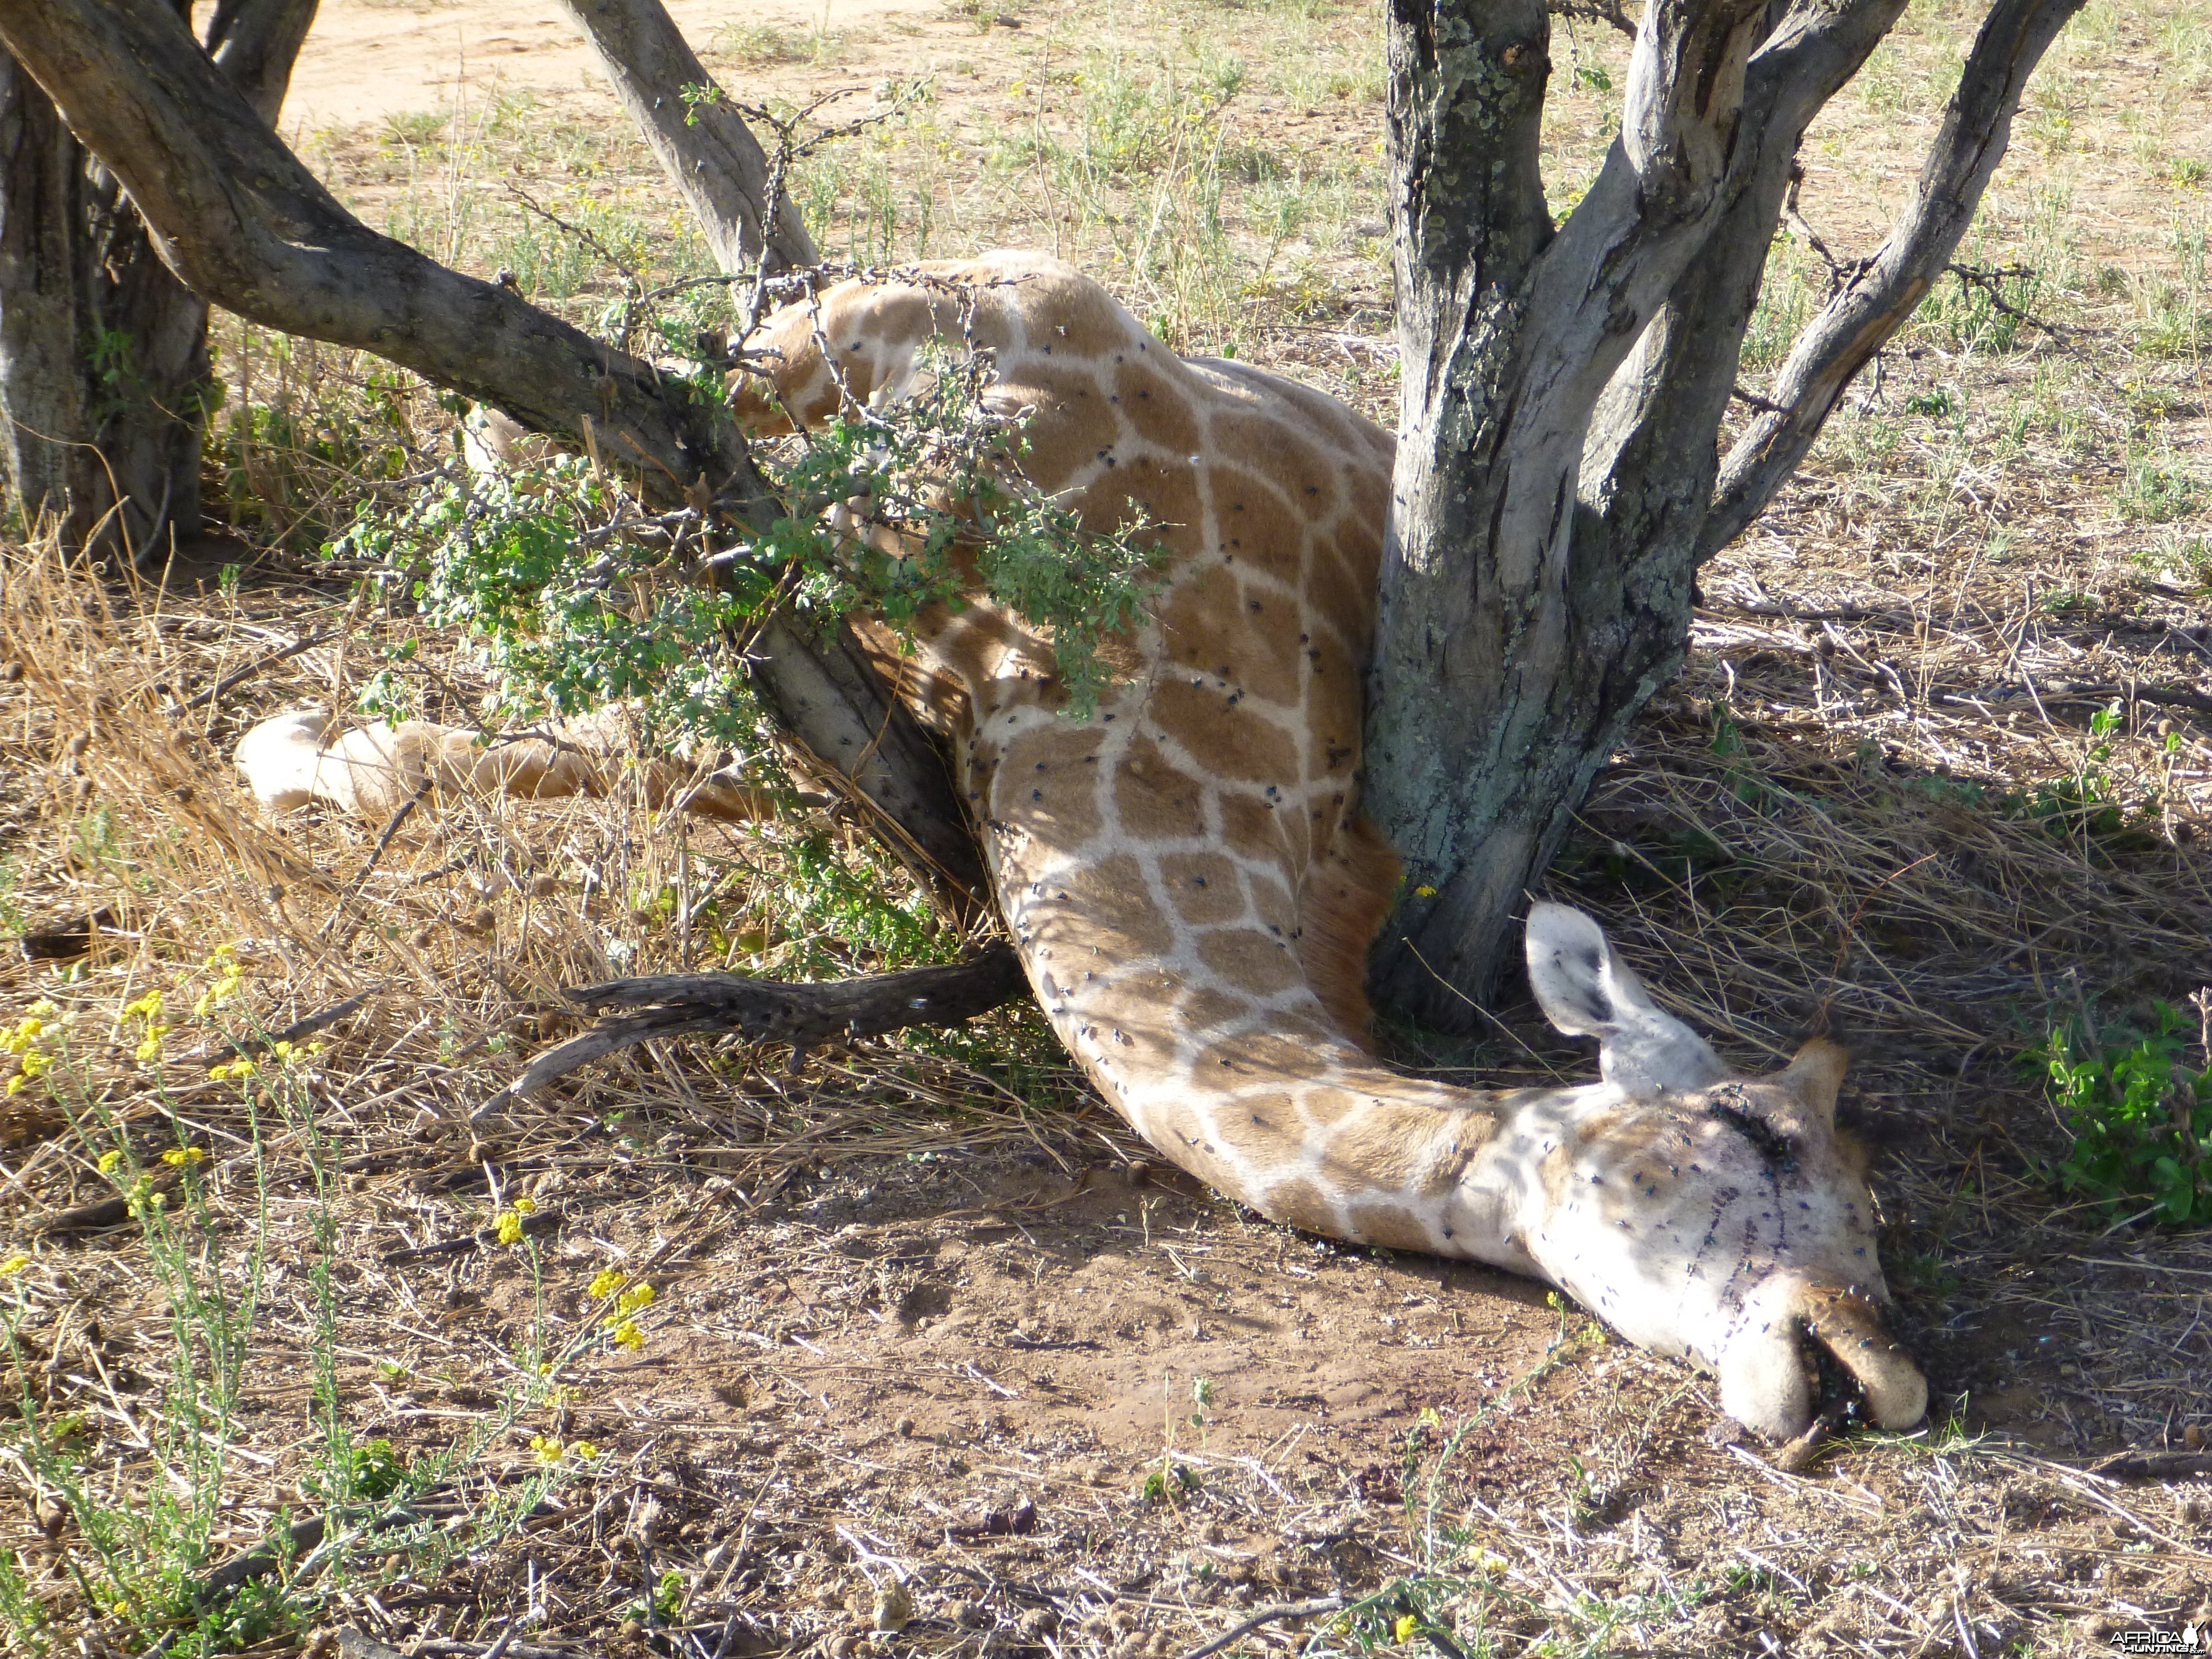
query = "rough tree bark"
{"x": 1558, "y": 477}
{"x": 704, "y": 145}
{"x": 241, "y": 220}
{"x": 104, "y": 378}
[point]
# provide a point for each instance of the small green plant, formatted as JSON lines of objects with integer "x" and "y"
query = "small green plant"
{"x": 2158, "y": 487}
{"x": 2140, "y": 1113}
{"x": 666, "y": 1603}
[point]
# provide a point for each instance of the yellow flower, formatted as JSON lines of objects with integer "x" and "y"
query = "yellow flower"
{"x": 148, "y": 1008}
{"x": 148, "y": 1052}
{"x": 510, "y": 1228}
{"x": 1424, "y": 891}
{"x": 549, "y": 1450}
{"x": 1408, "y": 1624}
{"x": 626, "y": 1334}
{"x": 608, "y": 1282}
{"x": 179, "y": 1156}
{"x": 14, "y": 1264}
{"x": 282, "y": 1050}
{"x": 223, "y": 957}
{"x": 15, "y": 1085}
{"x": 636, "y": 1297}
{"x": 33, "y": 1029}
{"x": 525, "y": 1207}
{"x": 108, "y": 1161}
{"x": 42, "y": 1009}
{"x": 585, "y": 1449}
{"x": 35, "y": 1063}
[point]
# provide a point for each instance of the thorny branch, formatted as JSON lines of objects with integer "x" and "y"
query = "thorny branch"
{"x": 1609, "y": 12}
{"x": 1861, "y": 316}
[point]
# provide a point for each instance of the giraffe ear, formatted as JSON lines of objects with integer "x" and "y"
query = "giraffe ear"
{"x": 1816, "y": 1075}
{"x": 1587, "y": 990}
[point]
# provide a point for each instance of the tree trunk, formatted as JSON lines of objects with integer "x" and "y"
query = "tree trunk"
{"x": 704, "y": 145}
{"x": 104, "y": 380}
{"x": 1558, "y": 478}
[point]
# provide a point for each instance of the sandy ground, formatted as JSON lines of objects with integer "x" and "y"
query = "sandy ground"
{"x": 365, "y": 60}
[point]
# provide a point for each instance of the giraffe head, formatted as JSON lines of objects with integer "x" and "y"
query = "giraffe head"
{"x": 1704, "y": 1213}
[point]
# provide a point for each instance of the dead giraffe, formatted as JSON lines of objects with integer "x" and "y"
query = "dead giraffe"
{"x": 1192, "y": 890}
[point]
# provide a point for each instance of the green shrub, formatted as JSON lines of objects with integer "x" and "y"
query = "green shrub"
{"x": 2140, "y": 1115}
{"x": 575, "y": 599}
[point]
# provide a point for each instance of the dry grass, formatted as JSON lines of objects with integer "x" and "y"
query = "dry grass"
{"x": 915, "y": 1285}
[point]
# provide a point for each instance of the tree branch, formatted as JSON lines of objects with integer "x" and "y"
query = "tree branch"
{"x": 1649, "y": 462}
{"x": 238, "y": 218}
{"x": 704, "y": 143}
{"x": 1611, "y": 12}
{"x": 255, "y": 43}
{"x": 1858, "y": 322}
{"x": 771, "y": 1010}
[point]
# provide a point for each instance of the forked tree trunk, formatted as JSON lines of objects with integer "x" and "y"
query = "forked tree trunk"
{"x": 104, "y": 378}
{"x": 1558, "y": 476}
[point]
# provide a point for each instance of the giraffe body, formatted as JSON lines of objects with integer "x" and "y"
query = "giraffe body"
{"x": 1192, "y": 892}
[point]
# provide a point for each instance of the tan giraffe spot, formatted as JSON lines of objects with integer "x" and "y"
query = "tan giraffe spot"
{"x": 1156, "y": 406}
{"x": 1070, "y": 431}
{"x": 1291, "y": 1046}
{"x": 1334, "y": 707}
{"x": 1298, "y": 1204}
{"x": 1257, "y": 963}
{"x": 1055, "y": 800}
{"x": 1210, "y": 1009}
{"x": 1160, "y": 489}
{"x": 1225, "y": 738}
{"x": 1335, "y": 593}
{"x": 1324, "y": 1107}
{"x": 1225, "y": 631}
{"x": 1251, "y": 826}
{"x": 1397, "y": 1143}
{"x": 1253, "y": 527}
{"x": 1107, "y": 905}
{"x": 1204, "y": 888}
{"x": 1071, "y": 317}
{"x": 1274, "y": 448}
{"x": 1393, "y": 1226}
{"x": 1264, "y": 1131}
{"x": 1273, "y": 904}
{"x": 1155, "y": 801}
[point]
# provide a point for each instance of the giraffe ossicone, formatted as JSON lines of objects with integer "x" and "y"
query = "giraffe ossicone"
{"x": 1193, "y": 891}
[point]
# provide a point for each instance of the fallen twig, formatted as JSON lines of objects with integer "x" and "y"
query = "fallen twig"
{"x": 2152, "y": 1466}
{"x": 360, "y": 882}
{"x": 292, "y": 1033}
{"x": 105, "y": 1212}
{"x": 238, "y": 675}
{"x": 693, "y": 1004}
{"x": 533, "y": 1227}
{"x": 1268, "y": 1615}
